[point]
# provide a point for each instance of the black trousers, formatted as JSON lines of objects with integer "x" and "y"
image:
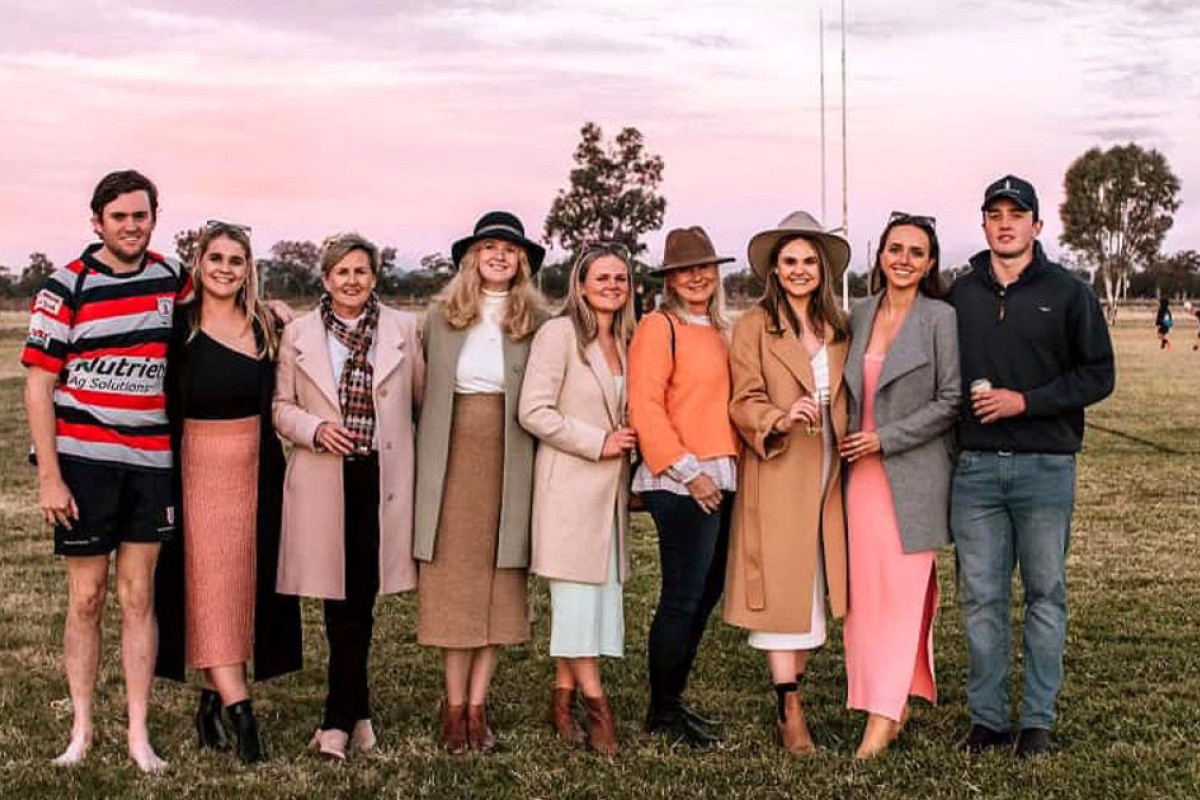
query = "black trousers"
{"x": 693, "y": 548}
{"x": 349, "y": 623}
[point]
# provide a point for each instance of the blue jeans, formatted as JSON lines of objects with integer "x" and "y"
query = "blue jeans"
{"x": 692, "y": 547}
{"x": 1006, "y": 509}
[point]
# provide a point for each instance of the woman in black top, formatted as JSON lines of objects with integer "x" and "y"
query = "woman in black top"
{"x": 216, "y": 599}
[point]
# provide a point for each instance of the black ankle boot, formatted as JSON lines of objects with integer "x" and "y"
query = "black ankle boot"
{"x": 667, "y": 718}
{"x": 250, "y": 747}
{"x": 208, "y": 722}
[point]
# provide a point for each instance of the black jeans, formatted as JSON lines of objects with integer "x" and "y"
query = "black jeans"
{"x": 692, "y": 548}
{"x": 349, "y": 623}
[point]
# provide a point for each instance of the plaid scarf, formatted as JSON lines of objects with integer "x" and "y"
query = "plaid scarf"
{"x": 357, "y": 378}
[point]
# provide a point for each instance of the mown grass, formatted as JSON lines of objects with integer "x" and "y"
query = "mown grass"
{"x": 1130, "y": 709}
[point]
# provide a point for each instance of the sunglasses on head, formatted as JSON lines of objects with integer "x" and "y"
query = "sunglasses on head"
{"x": 216, "y": 224}
{"x": 904, "y": 218}
{"x": 608, "y": 247}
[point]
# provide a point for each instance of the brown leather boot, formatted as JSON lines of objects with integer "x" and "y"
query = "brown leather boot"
{"x": 479, "y": 735}
{"x": 601, "y": 729}
{"x": 793, "y": 730}
{"x": 562, "y": 716}
{"x": 454, "y": 727}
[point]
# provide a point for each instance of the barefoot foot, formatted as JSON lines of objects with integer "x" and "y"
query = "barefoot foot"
{"x": 76, "y": 751}
{"x": 146, "y": 759}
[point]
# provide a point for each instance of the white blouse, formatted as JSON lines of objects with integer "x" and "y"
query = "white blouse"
{"x": 481, "y": 360}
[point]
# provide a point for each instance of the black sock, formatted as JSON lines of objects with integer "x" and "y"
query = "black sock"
{"x": 781, "y": 691}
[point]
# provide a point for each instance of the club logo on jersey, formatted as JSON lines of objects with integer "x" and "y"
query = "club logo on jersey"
{"x": 48, "y": 302}
{"x": 38, "y": 338}
{"x": 165, "y": 307}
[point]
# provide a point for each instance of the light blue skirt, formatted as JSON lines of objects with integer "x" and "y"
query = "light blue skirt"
{"x": 588, "y": 619}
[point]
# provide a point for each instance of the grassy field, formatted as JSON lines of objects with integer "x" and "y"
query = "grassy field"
{"x": 1130, "y": 709}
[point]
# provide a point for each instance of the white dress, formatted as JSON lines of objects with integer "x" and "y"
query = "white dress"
{"x": 588, "y": 619}
{"x": 815, "y": 636}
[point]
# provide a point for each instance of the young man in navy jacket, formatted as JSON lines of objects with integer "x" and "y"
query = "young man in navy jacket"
{"x": 1035, "y": 352}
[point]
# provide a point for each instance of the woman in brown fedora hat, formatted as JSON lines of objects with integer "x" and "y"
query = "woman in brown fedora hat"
{"x": 788, "y": 544}
{"x": 475, "y": 470}
{"x": 679, "y": 403}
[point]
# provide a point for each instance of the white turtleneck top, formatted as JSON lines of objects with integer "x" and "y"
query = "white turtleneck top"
{"x": 481, "y": 360}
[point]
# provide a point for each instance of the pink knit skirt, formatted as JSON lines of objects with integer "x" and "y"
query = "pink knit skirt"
{"x": 220, "y": 502}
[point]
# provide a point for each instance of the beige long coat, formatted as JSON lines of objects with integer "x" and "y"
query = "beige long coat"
{"x": 312, "y": 546}
{"x": 780, "y": 517}
{"x": 443, "y": 344}
{"x": 571, "y": 406}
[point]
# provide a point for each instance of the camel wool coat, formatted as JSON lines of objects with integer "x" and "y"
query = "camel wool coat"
{"x": 312, "y": 550}
{"x": 571, "y": 406}
{"x": 443, "y": 343}
{"x": 780, "y": 517}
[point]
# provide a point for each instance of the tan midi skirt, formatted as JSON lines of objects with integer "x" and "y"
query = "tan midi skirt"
{"x": 464, "y": 601}
{"x": 220, "y": 504}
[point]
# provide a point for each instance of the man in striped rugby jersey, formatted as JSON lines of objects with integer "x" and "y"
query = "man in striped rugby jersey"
{"x": 94, "y": 393}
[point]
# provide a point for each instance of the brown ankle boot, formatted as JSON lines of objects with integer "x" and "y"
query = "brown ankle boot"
{"x": 562, "y": 716}
{"x": 454, "y": 727}
{"x": 601, "y": 729}
{"x": 479, "y": 735}
{"x": 793, "y": 731}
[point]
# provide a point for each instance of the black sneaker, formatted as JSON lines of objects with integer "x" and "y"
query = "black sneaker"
{"x": 981, "y": 738}
{"x": 1032, "y": 742}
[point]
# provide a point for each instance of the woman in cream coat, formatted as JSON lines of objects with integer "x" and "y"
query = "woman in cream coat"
{"x": 573, "y": 401}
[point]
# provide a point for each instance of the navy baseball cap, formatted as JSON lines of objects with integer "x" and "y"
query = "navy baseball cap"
{"x": 1018, "y": 190}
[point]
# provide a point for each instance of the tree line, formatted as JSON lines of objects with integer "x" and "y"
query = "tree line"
{"x": 1119, "y": 205}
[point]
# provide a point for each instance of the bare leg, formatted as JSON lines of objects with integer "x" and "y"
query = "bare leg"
{"x": 230, "y": 681}
{"x": 564, "y": 678}
{"x": 587, "y": 676}
{"x": 456, "y": 666}
{"x": 786, "y": 665}
{"x": 139, "y": 645}
{"x": 482, "y": 668}
{"x": 87, "y": 585}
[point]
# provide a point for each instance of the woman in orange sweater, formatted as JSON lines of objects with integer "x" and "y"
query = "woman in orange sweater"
{"x": 679, "y": 390}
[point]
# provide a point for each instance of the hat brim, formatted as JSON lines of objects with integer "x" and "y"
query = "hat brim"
{"x": 534, "y": 251}
{"x": 696, "y": 262}
{"x": 834, "y": 248}
{"x": 1006, "y": 195}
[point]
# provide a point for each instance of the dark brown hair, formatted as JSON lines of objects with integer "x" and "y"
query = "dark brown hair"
{"x": 115, "y": 184}
{"x": 822, "y": 308}
{"x": 931, "y": 284}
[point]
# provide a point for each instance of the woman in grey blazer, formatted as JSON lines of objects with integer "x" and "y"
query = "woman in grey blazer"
{"x": 902, "y": 378}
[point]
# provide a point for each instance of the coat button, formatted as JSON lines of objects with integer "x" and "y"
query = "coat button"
{"x": 388, "y": 446}
{"x": 390, "y": 497}
{"x": 383, "y": 392}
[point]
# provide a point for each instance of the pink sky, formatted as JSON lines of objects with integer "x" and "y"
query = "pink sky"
{"x": 407, "y": 120}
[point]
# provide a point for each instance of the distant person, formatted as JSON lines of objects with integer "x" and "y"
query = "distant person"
{"x": 1195, "y": 311}
{"x": 904, "y": 387}
{"x": 1035, "y": 351}
{"x": 349, "y": 384}
{"x": 679, "y": 390}
{"x": 215, "y": 592}
{"x": 475, "y": 475}
{"x": 94, "y": 393}
{"x": 1163, "y": 322}
{"x": 788, "y": 545}
{"x": 573, "y": 401}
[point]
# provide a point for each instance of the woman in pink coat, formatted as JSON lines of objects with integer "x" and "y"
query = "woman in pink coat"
{"x": 350, "y": 379}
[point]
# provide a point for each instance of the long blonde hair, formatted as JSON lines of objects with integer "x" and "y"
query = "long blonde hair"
{"x": 580, "y": 312}
{"x": 674, "y": 304}
{"x": 460, "y": 301}
{"x": 247, "y": 298}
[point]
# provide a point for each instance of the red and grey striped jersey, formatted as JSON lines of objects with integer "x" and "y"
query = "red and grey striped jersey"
{"x": 105, "y": 335}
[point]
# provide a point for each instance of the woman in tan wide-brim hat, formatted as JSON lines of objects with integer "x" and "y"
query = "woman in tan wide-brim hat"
{"x": 679, "y": 403}
{"x": 788, "y": 544}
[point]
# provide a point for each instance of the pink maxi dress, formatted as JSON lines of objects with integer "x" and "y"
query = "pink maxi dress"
{"x": 888, "y": 631}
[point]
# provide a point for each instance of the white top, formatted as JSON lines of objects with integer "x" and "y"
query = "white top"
{"x": 338, "y": 353}
{"x": 820, "y": 368}
{"x": 481, "y": 360}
